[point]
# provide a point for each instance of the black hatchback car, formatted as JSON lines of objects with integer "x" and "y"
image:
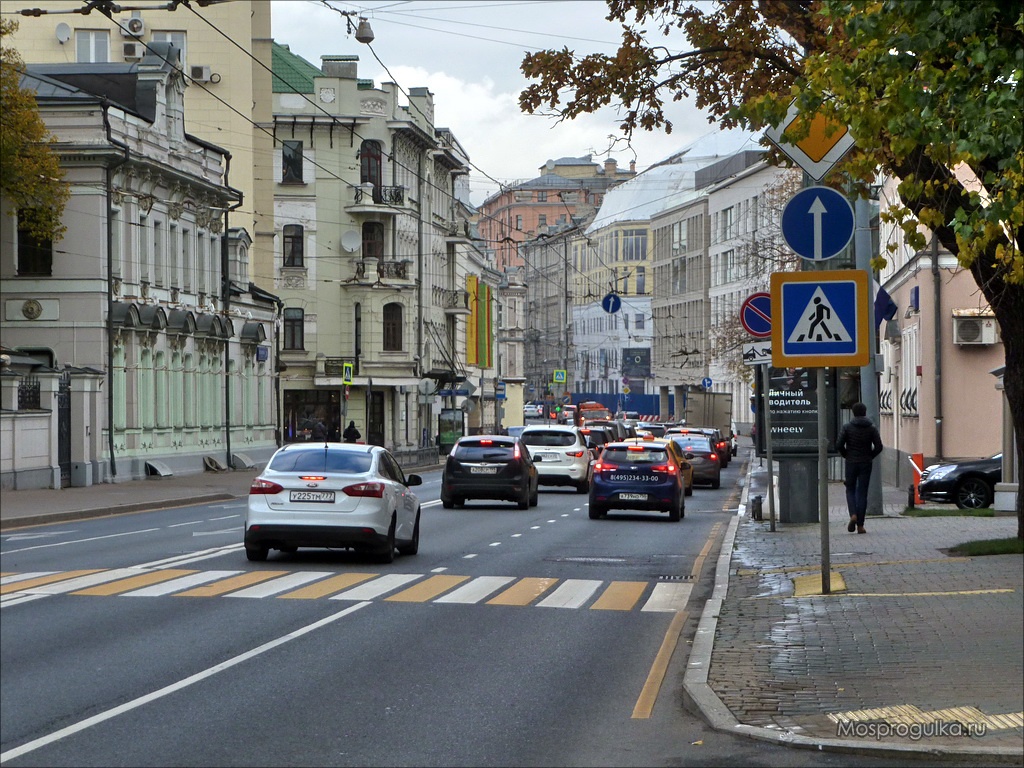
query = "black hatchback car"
{"x": 489, "y": 467}
{"x": 968, "y": 484}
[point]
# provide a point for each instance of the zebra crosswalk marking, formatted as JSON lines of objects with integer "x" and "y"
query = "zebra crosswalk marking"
{"x": 39, "y": 579}
{"x": 200, "y": 577}
{"x": 88, "y": 580}
{"x": 476, "y": 590}
{"x": 523, "y": 592}
{"x": 327, "y": 586}
{"x": 571, "y": 593}
{"x": 669, "y": 598}
{"x": 231, "y": 584}
{"x": 377, "y": 587}
{"x": 425, "y": 590}
{"x": 620, "y": 596}
{"x": 133, "y": 582}
{"x": 277, "y": 586}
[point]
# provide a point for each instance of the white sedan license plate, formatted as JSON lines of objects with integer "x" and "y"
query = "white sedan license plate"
{"x": 324, "y": 496}
{"x": 483, "y": 470}
{"x": 633, "y": 496}
{"x": 546, "y": 457}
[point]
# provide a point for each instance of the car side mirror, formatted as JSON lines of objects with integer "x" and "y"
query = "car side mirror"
{"x": 413, "y": 480}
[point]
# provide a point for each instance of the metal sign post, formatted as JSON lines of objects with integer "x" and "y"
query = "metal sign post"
{"x": 766, "y": 387}
{"x": 826, "y": 586}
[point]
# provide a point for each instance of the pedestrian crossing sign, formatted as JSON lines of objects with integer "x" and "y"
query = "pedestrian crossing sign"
{"x": 822, "y": 318}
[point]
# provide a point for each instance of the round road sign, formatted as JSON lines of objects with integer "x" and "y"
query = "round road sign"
{"x": 756, "y": 315}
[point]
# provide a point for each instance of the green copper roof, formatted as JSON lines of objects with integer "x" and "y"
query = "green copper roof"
{"x": 292, "y": 74}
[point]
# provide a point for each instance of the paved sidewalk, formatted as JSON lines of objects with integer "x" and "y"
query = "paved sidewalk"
{"x": 917, "y": 640}
{"x": 916, "y": 634}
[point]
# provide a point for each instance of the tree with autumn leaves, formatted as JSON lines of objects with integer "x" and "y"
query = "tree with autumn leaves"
{"x": 930, "y": 91}
{"x": 31, "y": 176}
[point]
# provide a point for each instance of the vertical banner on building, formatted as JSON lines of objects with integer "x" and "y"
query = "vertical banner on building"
{"x": 479, "y": 329}
{"x": 472, "y": 342}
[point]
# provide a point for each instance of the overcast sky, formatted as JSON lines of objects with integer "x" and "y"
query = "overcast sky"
{"x": 468, "y": 52}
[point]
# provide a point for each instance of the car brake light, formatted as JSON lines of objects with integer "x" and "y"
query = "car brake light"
{"x": 636, "y": 448}
{"x": 373, "y": 490}
{"x": 486, "y": 442}
{"x": 264, "y": 487}
{"x": 516, "y": 453}
{"x": 312, "y": 477}
{"x": 670, "y": 468}
{"x": 575, "y": 454}
{"x": 713, "y": 457}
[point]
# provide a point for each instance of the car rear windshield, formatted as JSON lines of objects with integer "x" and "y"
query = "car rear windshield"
{"x": 484, "y": 450}
{"x": 549, "y": 438}
{"x": 645, "y": 455}
{"x": 320, "y": 460}
{"x": 693, "y": 443}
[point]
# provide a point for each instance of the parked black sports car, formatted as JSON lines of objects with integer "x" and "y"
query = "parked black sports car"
{"x": 968, "y": 484}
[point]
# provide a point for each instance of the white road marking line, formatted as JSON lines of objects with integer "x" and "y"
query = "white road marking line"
{"x": 185, "y": 582}
{"x": 281, "y": 584}
{"x": 81, "y": 582}
{"x": 442, "y": 569}
{"x": 192, "y": 557}
{"x": 377, "y": 587}
{"x": 468, "y": 557}
{"x": 24, "y": 576}
{"x": 80, "y": 541}
{"x": 226, "y": 517}
{"x": 191, "y": 522}
{"x": 173, "y": 687}
{"x": 17, "y": 598}
{"x": 476, "y": 590}
{"x": 233, "y": 531}
{"x": 516, "y": 535}
{"x": 571, "y": 593}
{"x": 668, "y": 598}
{"x": 494, "y": 544}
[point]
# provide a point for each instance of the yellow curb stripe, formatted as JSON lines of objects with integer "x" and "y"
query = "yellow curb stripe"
{"x": 649, "y": 693}
{"x": 806, "y": 586}
{"x": 620, "y": 596}
{"x": 18, "y": 586}
{"x": 799, "y": 568}
{"x": 133, "y": 582}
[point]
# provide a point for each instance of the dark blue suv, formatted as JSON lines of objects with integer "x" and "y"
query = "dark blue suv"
{"x": 637, "y": 476}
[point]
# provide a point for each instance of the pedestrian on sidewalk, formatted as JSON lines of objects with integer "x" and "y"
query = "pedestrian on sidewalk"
{"x": 858, "y": 443}
{"x": 351, "y": 434}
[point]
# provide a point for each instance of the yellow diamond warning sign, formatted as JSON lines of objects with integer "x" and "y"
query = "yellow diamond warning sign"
{"x": 824, "y": 145}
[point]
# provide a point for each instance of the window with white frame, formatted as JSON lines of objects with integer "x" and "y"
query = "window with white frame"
{"x": 92, "y": 46}
{"x": 172, "y": 36}
{"x": 159, "y": 265}
{"x": 726, "y": 224}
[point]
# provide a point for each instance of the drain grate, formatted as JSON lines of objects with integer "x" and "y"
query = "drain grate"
{"x": 675, "y": 578}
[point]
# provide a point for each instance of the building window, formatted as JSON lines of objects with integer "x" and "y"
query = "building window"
{"x": 727, "y": 225}
{"x": 373, "y": 240}
{"x": 294, "y": 322}
{"x": 92, "y": 45}
{"x": 542, "y": 220}
{"x": 638, "y": 322}
{"x": 35, "y": 254}
{"x": 542, "y": 196}
{"x": 291, "y": 162}
{"x": 634, "y": 245}
{"x": 371, "y": 163}
{"x": 393, "y": 327}
{"x": 293, "y": 245}
{"x": 519, "y": 223}
{"x": 641, "y": 280}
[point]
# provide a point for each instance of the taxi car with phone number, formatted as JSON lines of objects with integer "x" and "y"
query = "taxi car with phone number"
{"x": 680, "y": 456}
{"x": 637, "y": 475}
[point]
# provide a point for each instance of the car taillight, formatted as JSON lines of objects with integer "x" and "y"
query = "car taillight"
{"x": 264, "y": 487}
{"x": 713, "y": 457}
{"x": 516, "y": 453}
{"x": 670, "y": 468}
{"x": 373, "y": 490}
{"x": 574, "y": 454}
{"x": 486, "y": 442}
{"x": 312, "y": 477}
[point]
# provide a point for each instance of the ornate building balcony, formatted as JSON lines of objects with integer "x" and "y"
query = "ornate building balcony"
{"x": 376, "y": 199}
{"x": 455, "y": 302}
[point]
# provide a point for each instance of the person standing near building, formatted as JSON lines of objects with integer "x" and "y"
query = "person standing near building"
{"x": 351, "y": 434}
{"x": 858, "y": 443}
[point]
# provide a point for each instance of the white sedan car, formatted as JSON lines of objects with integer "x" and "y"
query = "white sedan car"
{"x": 533, "y": 411}
{"x": 333, "y": 495}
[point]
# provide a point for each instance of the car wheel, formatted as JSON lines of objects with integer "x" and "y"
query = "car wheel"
{"x": 447, "y": 503}
{"x": 387, "y": 555}
{"x": 524, "y": 498}
{"x": 256, "y": 554}
{"x": 673, "y": 513}
{"x": 596, "y": 512}
{"x": 716, "y": 483}
{"x": 459, "y": 502}
{"x": 535, "y": 497}
{"x": 973, "y": 493}
{"x": 689, "y": 490}
{"x": 414, "y": 545}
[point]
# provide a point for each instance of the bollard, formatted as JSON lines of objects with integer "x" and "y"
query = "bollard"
{"x": 755, "y": 508}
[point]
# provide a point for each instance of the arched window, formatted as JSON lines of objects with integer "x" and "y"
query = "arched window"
{"x": 393, "y": 327}
{"x": 371, "y": 163}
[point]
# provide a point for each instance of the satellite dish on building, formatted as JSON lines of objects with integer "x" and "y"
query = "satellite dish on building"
{"x": 351, "y": 241}
{"x": 63, "y": 32}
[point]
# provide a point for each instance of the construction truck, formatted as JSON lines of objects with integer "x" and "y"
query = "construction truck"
{"x": 709, "y": 409}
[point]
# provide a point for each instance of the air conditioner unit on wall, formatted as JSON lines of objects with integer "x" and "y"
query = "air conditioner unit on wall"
{"x": 975, "y": 330}
{"x": 133, "y": 51}
{"x": 200, "y": 72}
{"x": 133, "y": 27}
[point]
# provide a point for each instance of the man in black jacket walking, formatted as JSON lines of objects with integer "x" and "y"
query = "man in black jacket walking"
{"x": 858, "y": 443}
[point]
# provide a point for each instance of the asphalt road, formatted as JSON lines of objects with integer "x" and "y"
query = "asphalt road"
{"x": 535, "y": 637}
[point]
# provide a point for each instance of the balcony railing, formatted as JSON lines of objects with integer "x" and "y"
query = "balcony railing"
{"x": 395, "y": 270}
{"x": 378, "y": 195}
{"x": 455, "y": 302}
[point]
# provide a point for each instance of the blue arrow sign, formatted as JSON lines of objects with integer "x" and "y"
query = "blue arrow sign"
{"x": 706, "y": 382}
{"x": 756, "y": 315}
{"x": 611, "y": 303}
{"x": 817, "y": 223}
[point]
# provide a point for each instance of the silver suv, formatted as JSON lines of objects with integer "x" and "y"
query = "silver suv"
{"x": 561, "y": 455}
